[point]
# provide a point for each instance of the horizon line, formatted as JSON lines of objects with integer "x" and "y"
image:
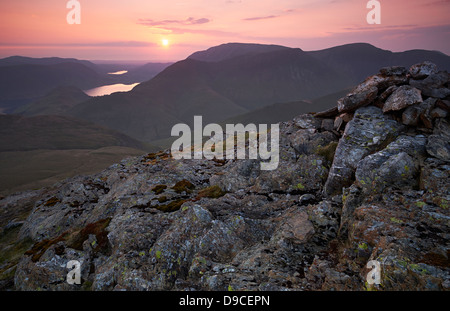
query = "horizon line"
{"x": 225, "y": 43}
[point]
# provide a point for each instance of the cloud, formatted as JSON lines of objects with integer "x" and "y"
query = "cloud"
{"x": 188, "y": 21}
{"x": 173, "y": 27}
{"x": 180, "y": 31}
{"x": 85, "y": 44}
{"x": 380, "y": 28}
{"x": 260, "y": 18}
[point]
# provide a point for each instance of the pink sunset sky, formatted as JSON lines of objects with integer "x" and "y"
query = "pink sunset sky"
{"x": 136, "y": 29}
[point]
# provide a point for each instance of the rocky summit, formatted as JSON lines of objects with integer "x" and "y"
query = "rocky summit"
{"x": 367, "y": 181}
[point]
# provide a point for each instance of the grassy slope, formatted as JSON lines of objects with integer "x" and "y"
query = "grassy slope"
{"x": 39, "y": 151}
{"x": 57, "y": 102}
{"x": 19, "y": 133}
{"x": 27, "y": 170}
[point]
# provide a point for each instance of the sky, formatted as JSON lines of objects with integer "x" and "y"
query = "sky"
{"x": 170, "y": 30}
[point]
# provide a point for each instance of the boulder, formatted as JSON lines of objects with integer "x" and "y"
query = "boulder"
{"x": 362, "y": 96}
{"x": 366, "y": 92}
{"x": 327, "y": 125}
{"x": 393, "y": 71}
{"x": 294, "y": 227}
{"x": 395, "y": 166}
{"x": 422, "y": 70}
{"x": 434, "y": 177}
{"x": 443, "y": 104}
{"x": 433, "y": 85}
{"x": 307, "y": 121}
{"x": 402, "y": 97}
{"x": 366, "y": 133}
{"x": 439, "y": 143}
{"x": 438, "y": 113}
{"x": 412, "y": 114}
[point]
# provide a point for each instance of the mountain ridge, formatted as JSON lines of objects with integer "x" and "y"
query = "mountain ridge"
{"x": 227, "y": 86}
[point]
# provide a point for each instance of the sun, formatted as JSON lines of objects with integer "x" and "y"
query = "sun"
{"x": 165, "y": 42}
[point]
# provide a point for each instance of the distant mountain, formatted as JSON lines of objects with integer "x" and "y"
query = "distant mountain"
{"x": 21, "y": 84}
{"x": 360, "y": 60}
{"x": 18, "y": 133}
{"x": 22, "y": 60}
{"x": 219, "y": 83}
{"x": 24, "y": 80}
{"x": 231, "y": 50}
{"x": 216, "y": 90}
{"x": 57, "y": 102}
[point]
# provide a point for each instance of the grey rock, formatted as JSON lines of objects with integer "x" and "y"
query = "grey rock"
{"x": 422, "y": 70}
{"x": 294, "y": 228}
{"x": 338, "y": 123}
{"x": 306, "y": 198}
{"x": 307, "y": 121}
{"x": 325, "y": 215}
{"x": 364, "y": 134}
{"x": 441, "y": 93}
{"x": 366, "y": 92}
{"x": 439, "y": 143}
{"x": 394, "y": 71}
{"x": 443, "y": 104}
{"x": 435, "y": 80}
{"x": 351, "y": 199}
{"x": 327, "y": 125}
{"x": 358, "y": 98}
{"x": 412, "y": 114}
{"x": 385, "y": 95}
{"x": 307, "y": 174}
{"x": 307, "y": 141}
{"x": 433, "y": 85}
{"x": 239, "y": 176}
{"x": 438, "y": 113}
{"x": 395, "y": 166}
{"x": 401, "y": 98}
{"x": 434, "y": 178}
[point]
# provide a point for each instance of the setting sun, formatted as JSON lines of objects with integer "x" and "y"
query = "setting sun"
{"x": 165, "y": 42}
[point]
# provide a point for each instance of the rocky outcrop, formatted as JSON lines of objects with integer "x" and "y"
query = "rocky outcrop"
{"x": 367, "y": 180}
{"x": 366, "y": 133}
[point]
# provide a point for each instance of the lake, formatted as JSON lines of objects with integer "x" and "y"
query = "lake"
{"x": 121, "y": 72}
{"x": 109, "y": 89}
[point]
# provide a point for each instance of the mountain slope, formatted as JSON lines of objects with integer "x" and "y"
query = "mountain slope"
{"x": 231, "y": 50}
{"x": 20, "y": 84}
{"x": 22, "y": 60}
{"x": 41, "y": 150}
{"x": 233, "y": 79}
{"x": 216, "y": 90}
{"x": 18, "y": 133}
{"x": 359, "y": 60}
{"x": 281, "y": 112}
{"x": 57, "y": 102}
